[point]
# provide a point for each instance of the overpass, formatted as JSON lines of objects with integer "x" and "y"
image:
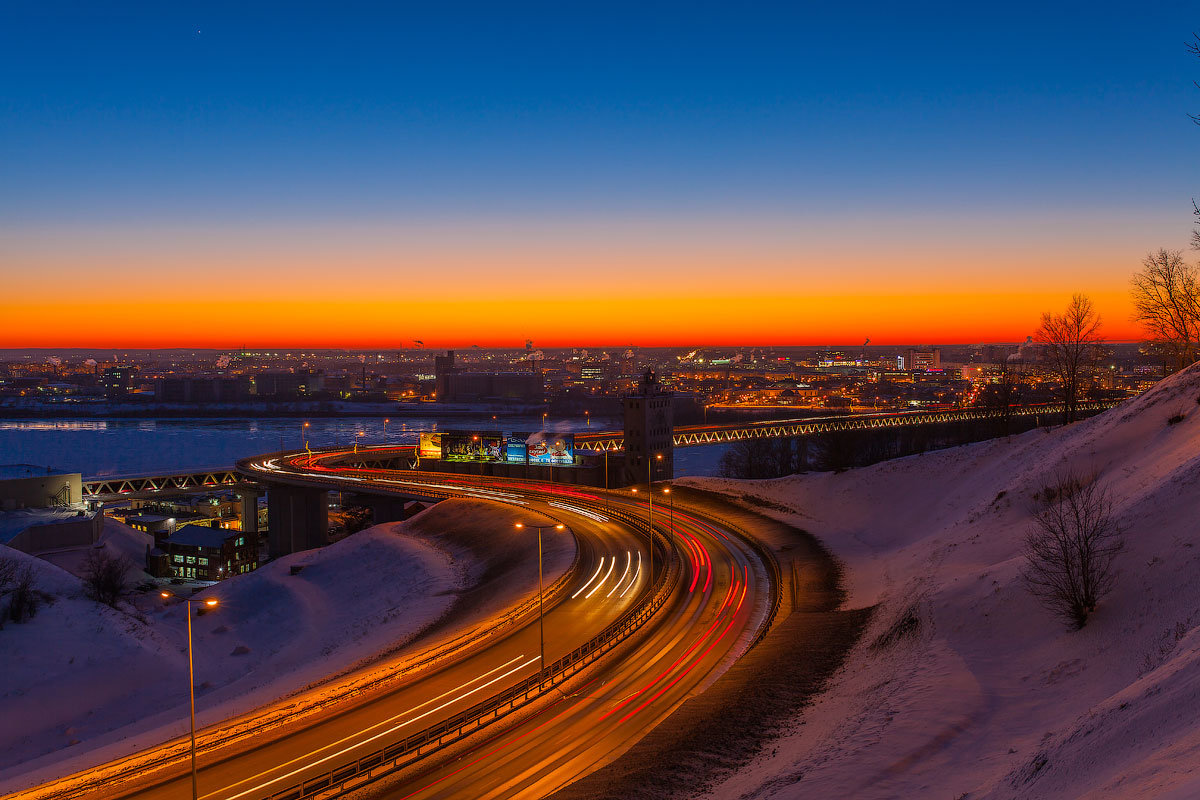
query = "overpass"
{"x": 185, "y": 482}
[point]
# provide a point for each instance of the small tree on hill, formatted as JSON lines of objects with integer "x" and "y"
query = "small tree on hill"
{"x": 106, "y": 577}
{"x": 1166, "y": 301}
{"x": 1072, "y": 341}
{"x": 1071, "y": 550}
{"x": 19, "y": 584}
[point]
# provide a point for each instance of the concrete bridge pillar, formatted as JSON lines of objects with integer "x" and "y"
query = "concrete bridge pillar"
{"x": 248, "y": 509}
{"x": 297, "y": 518}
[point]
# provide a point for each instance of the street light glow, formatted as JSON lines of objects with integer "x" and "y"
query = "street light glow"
{"x": 210, "y": 602}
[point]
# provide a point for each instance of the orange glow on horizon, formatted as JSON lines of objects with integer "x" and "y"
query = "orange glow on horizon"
{"x": 554, "y": 322}
{"x": 753, "y": 282}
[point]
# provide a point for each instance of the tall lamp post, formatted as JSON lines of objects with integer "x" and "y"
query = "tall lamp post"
{"x": 541, "y": 619}
{"x": 304, "y": 435}
{"x": 210, "y": 602}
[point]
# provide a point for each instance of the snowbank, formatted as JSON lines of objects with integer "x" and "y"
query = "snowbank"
{"x": 980, "y": 692}
{"x": 119, "y": 540}
{"x": 84, "y": 682}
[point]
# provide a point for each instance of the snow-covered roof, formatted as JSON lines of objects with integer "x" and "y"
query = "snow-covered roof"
{"x": 13, "y": 522}
{"x": 200, "y": 536}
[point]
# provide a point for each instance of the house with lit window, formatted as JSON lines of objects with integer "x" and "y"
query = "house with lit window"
{"x": 203, "y": 553}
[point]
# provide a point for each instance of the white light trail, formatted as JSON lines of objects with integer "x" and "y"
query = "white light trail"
{"x": 594, "y": 576}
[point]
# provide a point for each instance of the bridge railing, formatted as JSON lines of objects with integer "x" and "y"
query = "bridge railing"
{"x": 398, "y": 755}
{"x": 807, "y": 427}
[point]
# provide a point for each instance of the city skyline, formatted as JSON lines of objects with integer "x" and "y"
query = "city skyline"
{"x": 212, "y": 176}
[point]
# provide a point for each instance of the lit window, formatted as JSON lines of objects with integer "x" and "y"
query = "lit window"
{"x": 178, "y": 559}
{"x": 202, "y": 562}
{"x": 191, "y": 559}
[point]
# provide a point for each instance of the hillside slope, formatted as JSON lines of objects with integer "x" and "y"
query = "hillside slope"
{"x": 979, "y": 691}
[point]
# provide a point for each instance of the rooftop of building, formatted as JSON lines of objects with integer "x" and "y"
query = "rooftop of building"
{"x": 200, "y": 536}
{"x": 13, "y": 522}
{"x": 11, "y": 471}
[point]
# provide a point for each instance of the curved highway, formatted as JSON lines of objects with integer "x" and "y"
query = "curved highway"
{"x": 720, "y": 597}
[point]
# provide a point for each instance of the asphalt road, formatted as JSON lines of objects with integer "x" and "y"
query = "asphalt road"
{"x": 716, "y": 607}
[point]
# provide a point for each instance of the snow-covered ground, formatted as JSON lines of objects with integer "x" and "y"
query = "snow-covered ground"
{"x": 85, "y": 683}
{"x": 990, "y": 695}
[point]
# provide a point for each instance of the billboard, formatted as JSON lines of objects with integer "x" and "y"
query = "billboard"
{"x": 514, "y": 448}
{"x": 546, "y": 447}
{"x": 477, "y": 446}
{"x": 430, "y": 446}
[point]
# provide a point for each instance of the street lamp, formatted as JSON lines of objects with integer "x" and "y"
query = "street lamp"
{"x": 650, "y": 525}
{"x": 210, "y": 602}
{"x": 543, "y": 420}
{"x": 588, "y": 415}
{"x": 360, "y": 433}
{"x": 671, "y": 497}
{"x": 541, "y": 620}
{"x": 304, "y": 435}
{"x": 385, "y": 424}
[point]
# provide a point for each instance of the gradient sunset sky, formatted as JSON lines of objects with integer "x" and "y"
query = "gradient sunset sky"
{"x": 369, "y": 174}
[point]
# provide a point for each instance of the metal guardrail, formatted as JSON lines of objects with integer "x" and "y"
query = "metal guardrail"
{"x": 396, "y": 756}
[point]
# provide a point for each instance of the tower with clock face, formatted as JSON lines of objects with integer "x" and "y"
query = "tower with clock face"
{"x": 649, "y": 433}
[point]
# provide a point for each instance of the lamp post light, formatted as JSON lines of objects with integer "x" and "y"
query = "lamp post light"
{"x": 671, "y": 497}
{"x": 385, "y": 424}
{"x": 541, "y": 619}
{"x": 360, "y": 433}
{"x": 210, "y": 602}
{"x": 543, "y": 420}
{"x": 304, "y": 435}
{"x": 588, "y": 416}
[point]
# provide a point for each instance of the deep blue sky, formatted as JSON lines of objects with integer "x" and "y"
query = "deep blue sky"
{"x": 157, "y": 110}
{"x": 697, "y": 172}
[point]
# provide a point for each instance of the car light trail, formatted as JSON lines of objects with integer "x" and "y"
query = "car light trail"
{"x": 381, "y": 734}
{"x": 699, "y": 640}
{"x": 592, "y": 515}
{"x": 699, "y": 658}
{"x": 636, "y": 574}
{"x": 625, "y": 574}
{"x": 594, "y": 576}
{"x": 612, "y": 565}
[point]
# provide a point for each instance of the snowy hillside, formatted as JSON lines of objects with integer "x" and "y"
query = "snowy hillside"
{"x": 964, "y": 686}
{"x": 83, "y": 682}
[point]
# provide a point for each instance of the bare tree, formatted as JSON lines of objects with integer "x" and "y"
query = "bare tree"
{"x": 106, "y": 577}
{"x": 1072, "y": 340}
{"x": 1002, "y": 393}
{"x": 1193, "y": 47}
{"x": 23, "y": 596}
{"x": 1166, "y": 301}
{"x": 8, "y": 572}
{"x": 1071, "y": 550}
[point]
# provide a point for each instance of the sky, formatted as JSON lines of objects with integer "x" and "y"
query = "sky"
{"x": 366, "y": 175}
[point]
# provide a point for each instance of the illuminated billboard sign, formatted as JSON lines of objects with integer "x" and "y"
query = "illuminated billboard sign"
{"x": 551, "y": 448}
{"x": 514, "y": 448}
{"x": 480, "y": 446}
{"x": 430, "y": 445}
